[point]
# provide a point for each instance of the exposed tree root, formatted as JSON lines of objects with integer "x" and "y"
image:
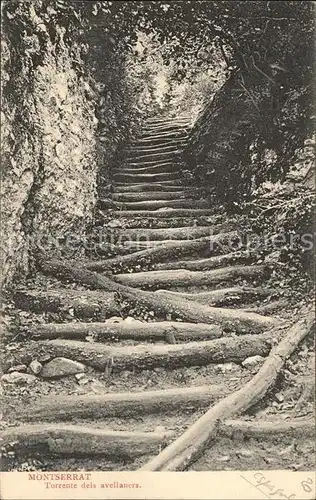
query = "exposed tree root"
{"x": 209, "y": 244}
{"x": 162, "y": 305}
{"x": 191, "y": 443}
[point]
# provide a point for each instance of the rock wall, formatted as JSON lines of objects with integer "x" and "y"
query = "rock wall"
{"x": 251, "y": 132}
{"x": 66, "y": 111}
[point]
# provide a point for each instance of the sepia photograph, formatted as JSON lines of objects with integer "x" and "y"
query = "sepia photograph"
{"x": 157, "y": 256}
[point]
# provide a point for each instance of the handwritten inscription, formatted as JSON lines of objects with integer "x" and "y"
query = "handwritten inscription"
{"x": 266, "y": 486}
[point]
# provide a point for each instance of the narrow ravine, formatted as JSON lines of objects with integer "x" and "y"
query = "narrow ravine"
{"x": 145, "y": 341}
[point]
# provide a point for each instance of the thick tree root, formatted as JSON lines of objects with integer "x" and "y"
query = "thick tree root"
{"x": 162, "y": 305}
{"x": 210, "y": 244}
{"x": 122, "y": 405}
{"x": 183, "y": 278}
{"x": 146, "y": 356}
{"x": 192, "y": 442}
{"x": 76, "y": 440}
{"x": 164, "y": 330}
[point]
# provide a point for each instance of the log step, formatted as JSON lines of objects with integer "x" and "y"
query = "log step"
{"x": 184, "y": 278}
{"x": 162, "y": 154}
{"x": 156, "y": 204}
{"x": 227, "y": 296}
{"x": 82, "y": 304}
{"x": 164, "y": 213}
{"x": 136, "y": 151}
{"x": 164, "y": 234}
{"x": 133, "y": 178}
{"x": 147, "y": 356}
{"x": 124, "y": 330}
{"x": 151, "y": 187}
{"x": 158, "y": 141}
{"x": 148, "y": 195}
{"x": 122, "y": 405}
{"x": 169, "y": 131}
{"x": 243, "y": 429}
{"x": 209, "y": 263}
{"x": 76, "y": 440}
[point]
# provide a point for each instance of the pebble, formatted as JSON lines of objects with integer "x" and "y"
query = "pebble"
{"x": 35, "y": 367}
{"x": 224, "y": 458}
{"x": 244, "y": 453}
{"x": 61, "y": 367}
{"x": 252, "y": 361}
{"x": 79, "y": 376}
{"x": 279, "y": 397}
{"x": 17, "y": 368}
{"x": 226, "y": 367}
{"x": 18, "y": 378}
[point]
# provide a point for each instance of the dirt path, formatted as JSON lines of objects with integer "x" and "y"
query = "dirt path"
{"x": 177, "y": 321}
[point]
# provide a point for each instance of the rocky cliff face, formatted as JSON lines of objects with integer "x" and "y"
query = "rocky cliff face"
{"x": 65, "y": 115}
{"x": 48, "y": 139}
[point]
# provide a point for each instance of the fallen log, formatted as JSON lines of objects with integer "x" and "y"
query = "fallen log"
{"x": 122, "y": 330}
{"x": 210, "y": 245}
{"x": 241, "y": 429}
{"x": 145, "y": 356}
{"x": 77, "y": 440}
{"x": 189, "y": 446}
{"x": 122, "y": 405}
{"x": 186, "y": 310}
{"x": 226, "y": 296}
{"x": 82, "y": 304}
{"x": 183, "y": 278}
{"x": 210, "y": 263}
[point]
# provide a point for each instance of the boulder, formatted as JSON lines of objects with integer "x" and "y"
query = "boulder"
{"x": 61, "y": 367}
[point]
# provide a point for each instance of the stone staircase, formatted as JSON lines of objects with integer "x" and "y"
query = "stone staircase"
{"x": 146, "y": 340}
